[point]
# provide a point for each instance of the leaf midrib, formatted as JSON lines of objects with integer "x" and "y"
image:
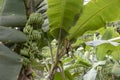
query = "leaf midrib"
{"x": 62, "y": 14}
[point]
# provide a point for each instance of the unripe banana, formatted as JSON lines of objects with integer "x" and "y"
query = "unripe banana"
{"x": 26, "y": 61}
{"x": 36, "y": 34}
{"x": 35, "y": 19}
{"x": 24, "y": 52}
{"x": 27, "y": 29}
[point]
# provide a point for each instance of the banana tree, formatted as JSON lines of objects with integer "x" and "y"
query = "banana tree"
{"x": 70, "y": 19}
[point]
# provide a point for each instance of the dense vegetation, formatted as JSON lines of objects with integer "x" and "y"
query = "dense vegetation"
{"x": 59, "y": 40}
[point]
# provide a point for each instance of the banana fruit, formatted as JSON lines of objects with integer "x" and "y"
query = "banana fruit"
{"x": 35, "y": 19}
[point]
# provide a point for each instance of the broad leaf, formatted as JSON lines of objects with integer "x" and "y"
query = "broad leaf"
{"x": 61, "y": 15}
{"x": 58, "y": 76}
{"x": 78, "y": 63}
{"x": 99, "y": 42}
{"x": 13, "y": 13}
{"x": 110, "y": 33}
{"x": 45, "y": 37}
{"x": 10, "y": 64}
{"x": 11, "y": 35}
{"x": 107, "y": 49}
{"x": 116, "y": 53}
{"x": 91, "y": 74}
{"x": 42, "y": 8}
{"x": 37, "y": 66}
{"x": 95, "y": 15}
{"x": 68, "y": 75}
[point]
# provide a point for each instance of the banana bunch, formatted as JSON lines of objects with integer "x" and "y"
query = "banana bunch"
{"x": 24, "y": 52}
{"x": 35, "y": 19}
{"x": 31, "y": 33}
{"x": 30, "y": 49}
{"x": 27, "y": 29}
{"x": 35, "y": 35}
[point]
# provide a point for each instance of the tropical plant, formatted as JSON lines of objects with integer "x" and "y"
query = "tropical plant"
{"x": 69, "y": 41}
{"x": 63, "y": 25}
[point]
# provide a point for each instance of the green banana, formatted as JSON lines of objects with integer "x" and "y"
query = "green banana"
{"x": 24, "y": 52}
{"x": 36, "y": 35}
{"x": 27, "y": 29}
{"x": 35, "y": 19}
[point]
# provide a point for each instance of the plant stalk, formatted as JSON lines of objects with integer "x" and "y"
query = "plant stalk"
{"x": 51, "y": 52}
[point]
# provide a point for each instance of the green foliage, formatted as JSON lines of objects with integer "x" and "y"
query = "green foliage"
{"x": 116, "y": 70}
{"x": 115, "y": 53}
{"x": 58, "y": 76}
{"x": 68, "y": 76}
{"x": 61, "y": 15}
{"x": 95, "y": 15}
{"x": 13, "y": 14}
{"x": 10, "y": 64}
{"x": 60, "y": 59}
{"x": 110, "y": 33}
{"x": 79, "y": 62}
{"x": 11, "y": 35}
{"x": 104, "y": 49}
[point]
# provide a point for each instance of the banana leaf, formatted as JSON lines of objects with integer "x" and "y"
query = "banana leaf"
{"x": 13, "y": 13}
{"x": 10, "y": 64}
{"x": 58, "y": 76}
{"x": 105, "y": 47}
{"x": 95, "y": 15}
{"x": 110, "y": 33}
{"x": 11, "y": 35}
{"x": 68, "y": 76}
{"x": 62, "y": 15}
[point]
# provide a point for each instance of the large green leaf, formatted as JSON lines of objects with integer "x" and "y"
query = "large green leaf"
{"x": 10, "y": 64}
{"x": 11, "y": 35}
{"x": 58, "y": 76}
{"x": 68, "y": 76}
{"x": 62, "y": 14}
{"x": 110, "y": 33}
{"x": 95, "y": 15}
{"x": 102, "y": 50}
{"x": 13, "y": 13}
{"x": 105, "y": 47}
